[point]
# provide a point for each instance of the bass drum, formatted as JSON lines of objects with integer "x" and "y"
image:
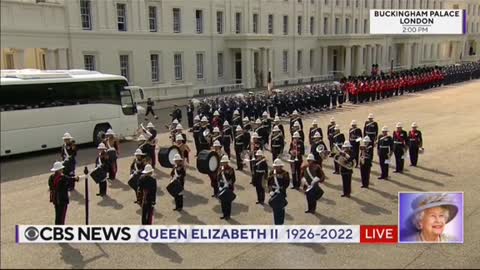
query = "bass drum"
{"x": 166, "y": 154}
{"x": 207, "y": 161}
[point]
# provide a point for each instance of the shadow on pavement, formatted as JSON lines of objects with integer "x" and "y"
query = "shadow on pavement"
{"x": 435, "y": 171}
{"x": 328, "y": 220}
{"x": 319, "y": 249}
{"x": 423, "y": 179}
{"x": 237, "y": 208}
{"x": 110, "y": 202}
{"x": 191, "y": 199}
{"x": 332, "y": 186}
{"x": 163, "y": 250}
{"x": 74, "y": 257}
{"x": 327, "y": 201}
{"x": 186, "y": 218}
{"x": 384, "y": 194}
{"x": 194, "y": 179}
{"x": 403, "y": 185}
{"x": 370, "y": 208}
{"x": 115, "y": 184}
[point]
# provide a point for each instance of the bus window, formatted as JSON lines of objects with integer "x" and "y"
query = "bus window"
{"x": 128, "y": 107}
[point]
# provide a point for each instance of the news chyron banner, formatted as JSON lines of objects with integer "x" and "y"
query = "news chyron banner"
{"x": 418, "y": 21}
{"x": 124, "y": 234}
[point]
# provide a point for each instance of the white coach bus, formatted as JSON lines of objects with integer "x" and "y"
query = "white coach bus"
{"x": 38, "y": 107}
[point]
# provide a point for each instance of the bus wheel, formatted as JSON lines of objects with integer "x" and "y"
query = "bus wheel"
{"x": 99, "y": 133}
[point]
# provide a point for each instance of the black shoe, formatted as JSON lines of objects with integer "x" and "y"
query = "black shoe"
{"x": 214, "y": 195}
{"x": 99, "y": 194}
{"x": 292, "y": 187}
{"x": 396, "y": 171}
{"x": 336, "y": 173}
{"x": 227, "y": 218}
{"x": 381, "y": 177}
{"x": 363, "y": 187}
{"x": 343, "y": 195}
{"x": 222, "y": 217}
{"x": 309, "y": 211}
{"x": 259, "y": 203}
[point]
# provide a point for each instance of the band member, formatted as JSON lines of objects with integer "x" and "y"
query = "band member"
{"x": 247, "y": 126}
{"x": 151, "y": 136}
{"x": 68, "y": 154}
{"x": 102, "y": 161}
{"x": 183, "y": 147}
{"x": 278, "y": 181}
{"x": 276, "y": 122}
{"x": 205, "y": 135}
{"x": 318, "y": 144}
{"x": 298, "y": 128}
{"x": 217, "y": 147}
{"x": 172, "y": 129}
{"x": 295, "y": 117}
{"x": 385, "y": 150}
{"x": 216, "y": 136}
{"x": 355, "y": 136}
{"x": 277, "y": 142}
{"x": 147, "y": 185}
{"x": 136, "y": 169}
{"x": 370, "y": 128}
{"x": 255, "y": 145}
{"x": 366, "y": 156}
{"x": 196, "y": 133}
{"x": 330, "y": 134}
{"x": 260, "y": 172}
{"x": 179, "y": 131}
{"x": 239, "y": 146}
{"x": 267, "y": 128}
{"x": 314, "y": 129}
{"x": 415, "y": 142}
{"x": 399, "y": 147}
{"x": 112, "y": 150}
{"x": 338, "y": 140}
{"x": 312, "y": 175}
{"x": 58, "y": 184}
{"x": 178, "y": 174}
{"x": 237, "y": 119}
{"x": 226, "y": 179}
{"x": 297, "y": 150}
{"x": 345, "y": 161}
{"x": 150, "y": 104}
{"x": 227, "y": 138}
{"x": 190, "y": 111}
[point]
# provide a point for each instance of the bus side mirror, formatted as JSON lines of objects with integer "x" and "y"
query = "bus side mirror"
{"x": 142, "y": 95}
{"x": 135, "y": 109}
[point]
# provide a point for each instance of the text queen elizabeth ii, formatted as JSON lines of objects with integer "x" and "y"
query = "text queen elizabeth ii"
{"x": 431, "y": 214}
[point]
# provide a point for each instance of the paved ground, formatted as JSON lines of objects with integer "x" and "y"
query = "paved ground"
{"x": 448, "y": 118}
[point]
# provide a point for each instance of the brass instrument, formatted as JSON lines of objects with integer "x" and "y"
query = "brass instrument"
{"x": 324, "y": 153}
{"x": 342, "y": 159}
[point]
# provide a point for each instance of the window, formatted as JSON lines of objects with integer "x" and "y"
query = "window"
{"x": 312, "y": 24}
{"x": 366, "y": 3}
{"x": 122, "y": 17}
{"x": 356, "y": 26}
{"x": 337, "y": 25}
{"x": 238, "y": 22}
{"x": 374, "y": 4}
{"x": 337, "y": 3}
{"x": 124, "y": 66}
{"x": 177, "y": 27}
{"x": 155, "y": 67}
{"x": 365, "y": 26}
{"x": 178, "y": 66}
{"x": 312, "y": 58}
{"x": 220, "y": 22}
{"x": 85, "y": 13}
{"x": 152, "y": 18}
{"x": 299, "y": 60}
{"x": 326, "y": 2}
{"x": 89, "y": 62}
{"x": 325, "y": 26}
{"x": 299, "y": 25}
{"x": 348, "y": 3}
{"x": 285, "y": 62}
{"x": 220, "y": 64}
{"x": 357, "y": 3}
{"x": 285, "y": 24}
{"x": 270, "y": 23}
{"x": 200, "y": 66}
{"x": 347, "y": 26}
{"x": 255, "y": 23}
{"x": 199, "y": 21}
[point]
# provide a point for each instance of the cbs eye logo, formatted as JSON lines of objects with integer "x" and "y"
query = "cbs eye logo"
{"x": 31, "y": 233}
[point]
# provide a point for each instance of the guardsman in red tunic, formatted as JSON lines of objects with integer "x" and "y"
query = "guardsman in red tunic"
{"x": 399, "y": 147}
{"x": 58, "y": 185}
{"x": 415, "y": 144}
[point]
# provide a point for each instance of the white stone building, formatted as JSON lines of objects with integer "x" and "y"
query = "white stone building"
{"x": 176, "y": 47}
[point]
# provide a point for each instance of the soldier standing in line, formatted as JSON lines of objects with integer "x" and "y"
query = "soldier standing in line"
{"x": 317, "y": 141}
{"x": 237, "y": 119}
{"x": 239, "y": 146}
{"x": 68, "y": 154}
{"x": 312, "y": 176}
{"x": 259, "y": 174}
{"x": 226, "y": 179}
{"x": 314, "y": 129}
{"x": 147, "y": 185}
{"x": 331, "y": 133}
{"x": 345, "y": 169}
{"x": 277, "y": 142}
{"x": 297, "y": 150}
{"x": 178, "y": 173}
{"x": 366, "y": 156}
{"x": 355, "y": 136}
{"x": 136, "y": 169}
{"x": 58, "y": 184}
{"x": 399, "y": 147}
{"x": 370, "y": 129}
{"x": 113, "y": 151}
{"x": 278, "y": 182}
{"x": 385, "y": 150}
{"x": 415, "y": 143}
{"x": 151, "y": 133}
{"x": 338, "y": 141}
{"x": 102, "y": 162}
{"x": 227, "y": 138}
{"x": 196, "y": 133}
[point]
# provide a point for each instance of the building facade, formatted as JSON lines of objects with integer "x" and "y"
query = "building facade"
{"x": 173, "y": 45}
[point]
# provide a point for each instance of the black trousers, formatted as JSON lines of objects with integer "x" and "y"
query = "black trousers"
{"x": 275, "y": 153}
{"x": 413, "y": 152}
{"x": 60, "y": 213}
{"x": 260, "y": 190}
{"x": 150, "y": 111}
{"x": 190, "y": 119}
{"x": 311, "y": 203}
{"x": 347, "y": 183}
{"x": 383, "y": 166}
{"x": 179, "y": 202}
{"x": 356, "y": 151}
{"x": 227, "y": 150}
{"x": 103, "y": 187}
{"x": 399, "y": 161}
{"x": 147, "y": 214}
{"x": 238, "y": 152}
{"x": 226, "y": 208}
{"x": 336, "y": 166}
{"x": 365, "y": 174}
{"x": 296, "y": 166}
{"x": 279, "y": 216}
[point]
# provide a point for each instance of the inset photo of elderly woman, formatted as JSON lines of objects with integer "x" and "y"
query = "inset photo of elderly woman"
{"x": 430, "y": 217}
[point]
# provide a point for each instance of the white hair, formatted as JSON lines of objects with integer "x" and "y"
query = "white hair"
{"x": 417, "y": 220}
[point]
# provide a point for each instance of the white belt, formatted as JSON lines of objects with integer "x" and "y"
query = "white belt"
{"x": 398, "y": 142}
{"x": 384, "y": 146}
{"x": 370, "y": 132}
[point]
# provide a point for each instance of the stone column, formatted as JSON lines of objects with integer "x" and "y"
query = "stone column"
{"x": 264, "y": 53}
{"x": 359, "y": 64}
{"x": 19, "y": 59}
{"x": 348, "y": 61}
{"x": 324, "y": 60}
{"x": 51, "y": 59}
{"x": 247, "y": 66}
{"x": 408, "y": 55}
{"x": 368, "y": 58}
{"x": 62, "y": 58}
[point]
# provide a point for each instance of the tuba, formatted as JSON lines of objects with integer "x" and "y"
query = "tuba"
{"x": 322, "y": 151}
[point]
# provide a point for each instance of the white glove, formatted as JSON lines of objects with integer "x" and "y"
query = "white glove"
{"x": 272, "y": 193}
